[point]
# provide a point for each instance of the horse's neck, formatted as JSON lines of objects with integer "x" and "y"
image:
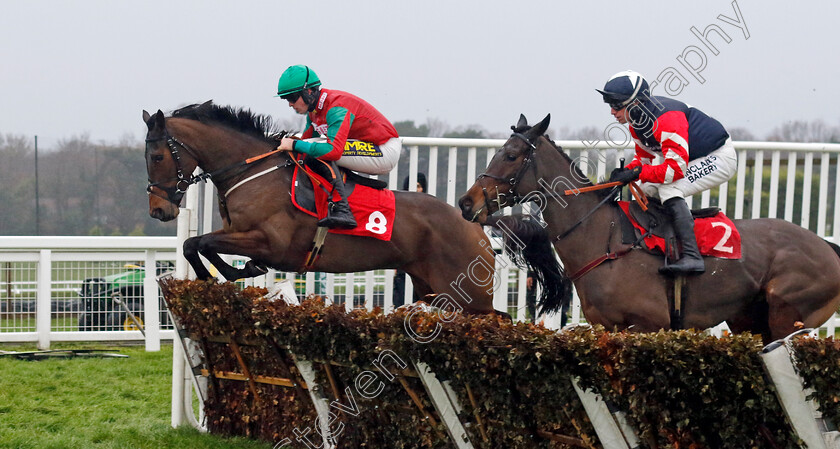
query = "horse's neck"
{"x": 588, "y": 239}
{"x": 216, "y": 149}
{"x": 591, "y": 237}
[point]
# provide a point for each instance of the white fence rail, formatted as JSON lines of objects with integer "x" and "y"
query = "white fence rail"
{"x": 44, "y": 298}
{"x": 41, "y": 278}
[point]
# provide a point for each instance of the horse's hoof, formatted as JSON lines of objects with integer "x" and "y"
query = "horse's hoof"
{"x": 254, "y": 269}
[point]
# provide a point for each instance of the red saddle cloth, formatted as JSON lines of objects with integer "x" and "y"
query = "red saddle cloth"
{"x": 373, "y": 209}
{"x": 716, "y": 235}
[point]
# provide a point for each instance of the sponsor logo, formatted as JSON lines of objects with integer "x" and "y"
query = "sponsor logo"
{"x": 321, "y": 129}
{"x": 705, "y": 167}
{"x": 359, "y": 148}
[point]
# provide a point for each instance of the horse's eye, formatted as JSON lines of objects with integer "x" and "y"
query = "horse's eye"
{"x": 157, "y": 158}
{"x": 510, "y": 157}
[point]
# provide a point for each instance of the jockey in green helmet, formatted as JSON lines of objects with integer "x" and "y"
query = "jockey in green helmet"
{"x": 341, "y": 130}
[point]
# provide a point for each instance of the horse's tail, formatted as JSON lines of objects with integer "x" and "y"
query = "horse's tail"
{"x": 528, "y": 245}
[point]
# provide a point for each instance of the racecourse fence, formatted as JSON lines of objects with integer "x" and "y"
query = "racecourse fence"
{"x": 42, "y": 278}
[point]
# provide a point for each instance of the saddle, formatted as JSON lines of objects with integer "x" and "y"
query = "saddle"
{"x": 653, "y": 231}
{"x": 716, "y": 235}
{"x": 303, "y": 192}
{"x": 656, "y": 219}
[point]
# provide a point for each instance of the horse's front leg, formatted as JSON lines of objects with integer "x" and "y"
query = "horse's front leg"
{"x": 191, "y": 254}
{"x": 251, "y": 244}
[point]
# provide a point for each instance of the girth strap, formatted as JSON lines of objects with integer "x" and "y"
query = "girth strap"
{"x": 609, "y": 256}
{"x": 591, "y": 265}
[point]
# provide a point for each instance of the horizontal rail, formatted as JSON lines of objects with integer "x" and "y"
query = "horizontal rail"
{"x": 603, "y": 145}
{"x": 87, "y": 243}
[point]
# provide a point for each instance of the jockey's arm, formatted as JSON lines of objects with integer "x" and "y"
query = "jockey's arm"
{"x": 641, "y": 158}
{"x": 672, "y": 133}
{"x": 339, "y": 121}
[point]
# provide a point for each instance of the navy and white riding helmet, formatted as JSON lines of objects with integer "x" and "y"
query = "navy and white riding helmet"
{"x": 623, "y": 88}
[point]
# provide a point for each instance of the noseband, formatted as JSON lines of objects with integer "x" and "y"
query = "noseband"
{"x": 511, "y": 182}
{"x": 175, "y": 193}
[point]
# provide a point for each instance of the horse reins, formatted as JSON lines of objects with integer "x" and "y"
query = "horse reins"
{"x": 176, "y": 193}
{"x": 514, "y": 180}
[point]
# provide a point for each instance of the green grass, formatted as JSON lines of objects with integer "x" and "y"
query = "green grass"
{"x": 96, "y": 403}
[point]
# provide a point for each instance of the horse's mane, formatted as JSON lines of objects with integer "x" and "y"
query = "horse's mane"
{"x": 238, "y": 119}
{"x": 576, "y": 171}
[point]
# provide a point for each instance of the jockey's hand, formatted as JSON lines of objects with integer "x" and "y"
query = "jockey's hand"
{"x": 624, "y": 175}
{"x": 286, "y": 144}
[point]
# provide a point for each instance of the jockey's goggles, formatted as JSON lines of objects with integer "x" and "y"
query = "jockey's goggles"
{"x": 292, "y": 97}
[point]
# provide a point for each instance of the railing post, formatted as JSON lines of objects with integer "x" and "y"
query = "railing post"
{"x": 178, "y": 383}
{"x": 43, "y": 307}
{"x": 182, "y": 271}
{"x": 151, "y": 303}
{"x": 803, "y": 413}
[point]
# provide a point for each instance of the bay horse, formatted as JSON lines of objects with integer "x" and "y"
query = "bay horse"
{"x": 787, "y": 276}
{"x": 443, "y": 253}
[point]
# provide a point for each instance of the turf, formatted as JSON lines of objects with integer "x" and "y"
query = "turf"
{"x": 96, "y": 403}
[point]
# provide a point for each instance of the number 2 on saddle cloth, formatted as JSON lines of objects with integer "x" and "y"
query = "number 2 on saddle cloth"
{"x": 715, "y": 233}
{"x": 373, "y": 208}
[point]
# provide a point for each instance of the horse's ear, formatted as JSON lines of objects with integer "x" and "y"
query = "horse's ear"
{"x": 160, "y": 120}
{"x": 521, "y": 125}
{"x": 146, "y": 117}
{"x": 539, "y": 129}
{"x": 523, "y": 122}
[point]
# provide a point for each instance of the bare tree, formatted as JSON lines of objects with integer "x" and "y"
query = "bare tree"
{"x": 740, "y": 133}
{"x": 17, "y": 185}
{"x": 802, "y": 131}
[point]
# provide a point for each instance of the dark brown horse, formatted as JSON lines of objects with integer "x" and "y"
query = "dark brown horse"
{"x": 443, "y": 253}
{"x": 786, "y": 275}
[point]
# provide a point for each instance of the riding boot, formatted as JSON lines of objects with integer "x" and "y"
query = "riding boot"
{"x": 339, "y": 215}
{"x": 690, "y": 259}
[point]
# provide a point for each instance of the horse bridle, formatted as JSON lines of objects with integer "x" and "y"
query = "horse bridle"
{"x": 174, "y": 194}
{"x": 511, "y": 182}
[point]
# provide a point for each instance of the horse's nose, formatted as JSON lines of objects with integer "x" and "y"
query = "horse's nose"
{"x": 466, "y": 205}
{"x": 159, "y": 214}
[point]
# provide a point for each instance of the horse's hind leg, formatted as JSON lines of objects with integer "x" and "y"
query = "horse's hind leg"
{"x": 795, "y": 306}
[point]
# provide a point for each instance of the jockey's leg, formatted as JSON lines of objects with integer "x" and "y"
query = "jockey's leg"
{"x": 373, "y": 159}
{"x": 339, "y": 215}
{"x": 690, "y": 259}
{"x": 701, "y": 174}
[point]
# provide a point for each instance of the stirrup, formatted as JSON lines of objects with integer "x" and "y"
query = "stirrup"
{"x": 684, "y": 266}
{"x": 341, "y": 219}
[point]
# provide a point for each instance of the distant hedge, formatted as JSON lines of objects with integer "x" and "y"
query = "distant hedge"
{"x": 679, "y": 389}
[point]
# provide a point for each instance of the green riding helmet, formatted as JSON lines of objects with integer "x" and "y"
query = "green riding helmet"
{"x": 295, "y": 79}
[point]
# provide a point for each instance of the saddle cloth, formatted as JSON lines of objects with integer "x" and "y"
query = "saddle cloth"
{"x": 372, "y": 205}
{"x": 716, "y": 235}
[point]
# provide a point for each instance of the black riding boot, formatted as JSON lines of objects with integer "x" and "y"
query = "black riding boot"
{"x": 339, "y": 215}
{"x": 690, "y": 259}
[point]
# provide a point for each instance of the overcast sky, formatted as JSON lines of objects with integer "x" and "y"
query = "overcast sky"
{"x": 71, "y": 68}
